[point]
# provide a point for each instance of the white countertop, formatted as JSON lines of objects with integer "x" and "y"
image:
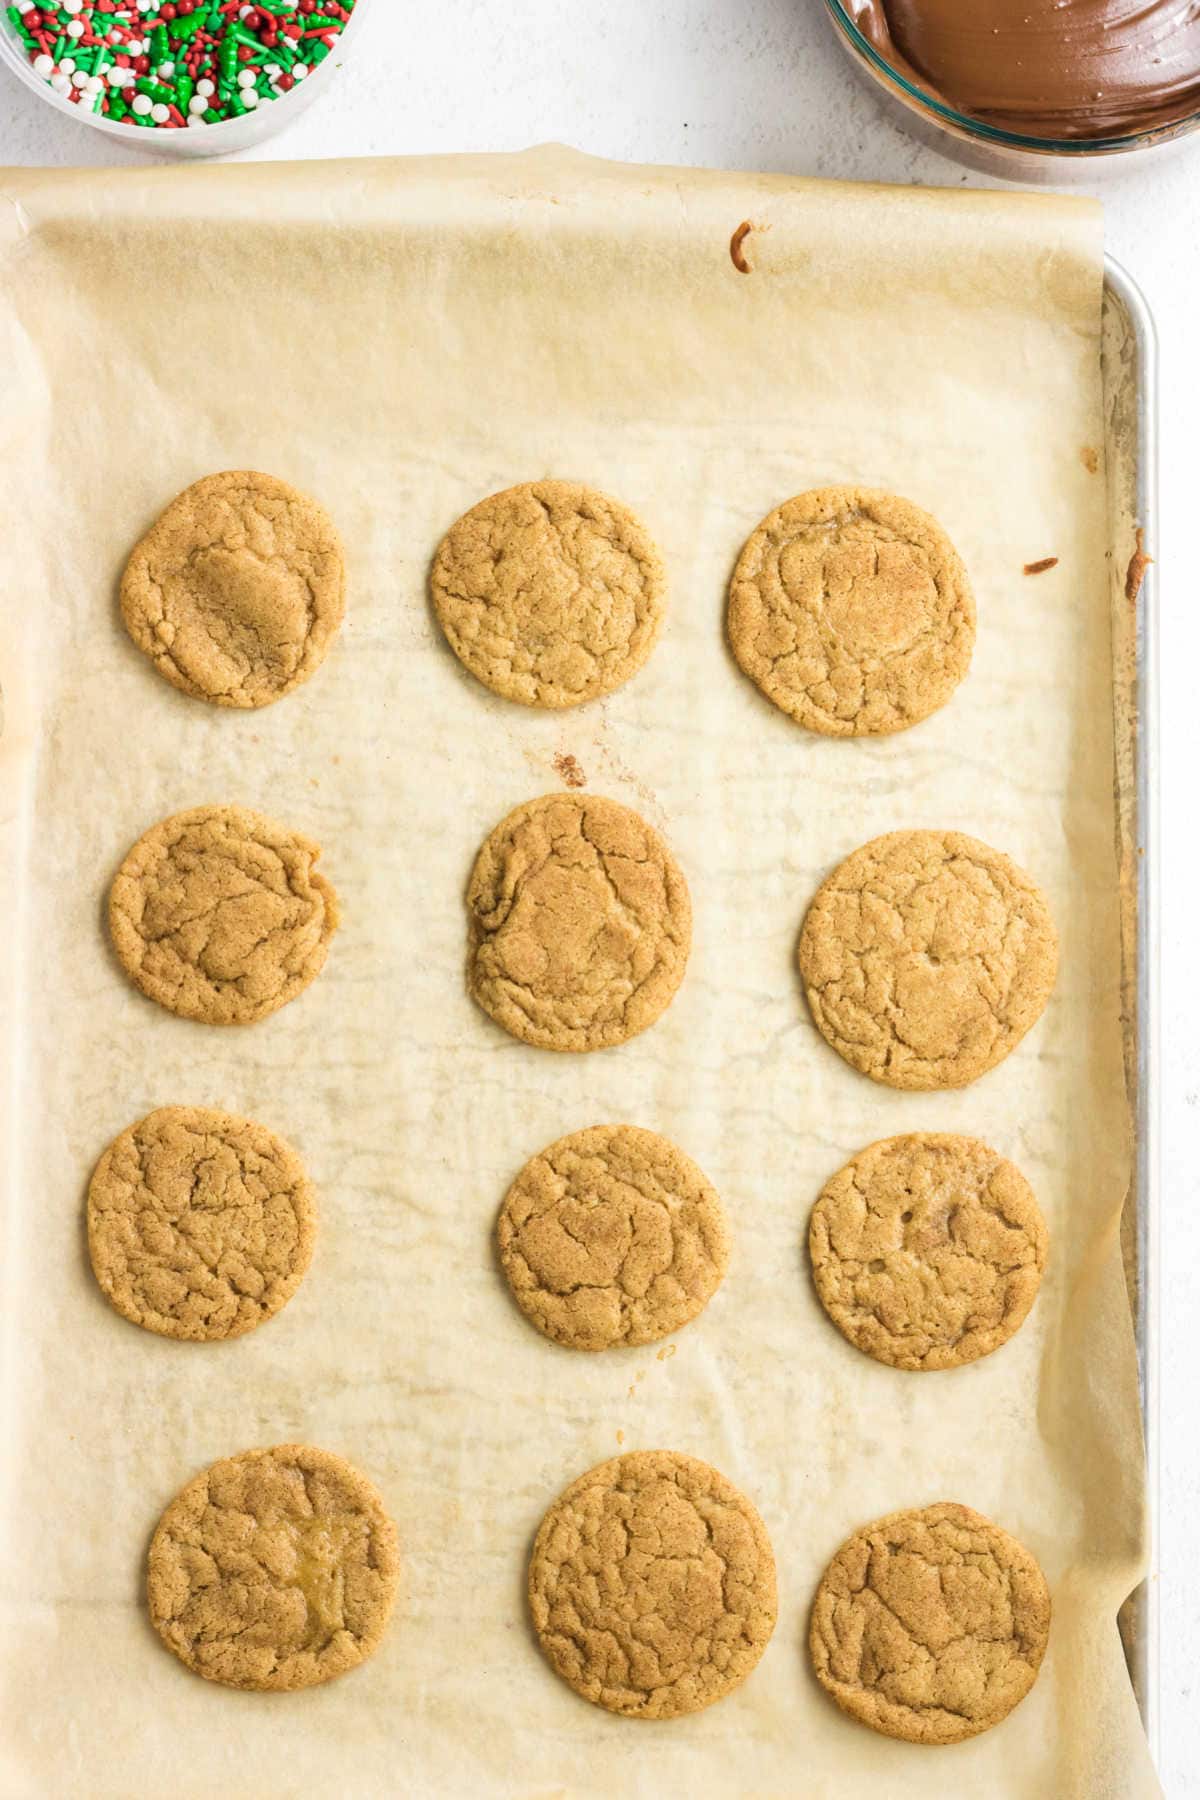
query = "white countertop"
{"x": 761, "y": 84}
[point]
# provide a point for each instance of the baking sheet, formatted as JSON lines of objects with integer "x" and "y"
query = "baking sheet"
{"x": 1129, "y": 363}
{"x": 401, "y": 338}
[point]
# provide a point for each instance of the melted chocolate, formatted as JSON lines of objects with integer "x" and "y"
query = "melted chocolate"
{"x": 1047, "y": 68}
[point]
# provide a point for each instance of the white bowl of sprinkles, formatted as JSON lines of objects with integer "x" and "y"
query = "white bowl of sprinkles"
{"x": 179, "y": 77}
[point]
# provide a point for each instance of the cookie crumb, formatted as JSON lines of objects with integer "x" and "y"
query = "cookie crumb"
{"x": 736, "y": 254}
{"x": 620, "y": 1437}
{"x": 667, "y": 1352}
{"x": 569, "y": 770}
{"x": 1090, "y": 459}
{"x": 1139, "y": 562}
{"x": 1039, "y": 568}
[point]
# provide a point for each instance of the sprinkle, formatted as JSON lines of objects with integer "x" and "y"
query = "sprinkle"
{"x": 164, "y": 64}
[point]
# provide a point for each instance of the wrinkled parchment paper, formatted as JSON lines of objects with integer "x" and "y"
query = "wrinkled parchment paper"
{"x": 401, "y": 339}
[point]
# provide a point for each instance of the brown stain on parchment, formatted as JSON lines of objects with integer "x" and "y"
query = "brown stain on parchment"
{"x": 1139, "y": 562}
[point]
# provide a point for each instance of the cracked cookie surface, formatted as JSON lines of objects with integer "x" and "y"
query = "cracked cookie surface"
{"x": 549, "y": 593}
{"x": 612, "y": 1236}
{"x": 200, "y": 1224}
{"x": 927, "y": 1251}
{"x": 926, "y": 956}
{"x": 580, "y": 923}
{"x": 237, "y": 592}
{"x": 219, "y": 914}
{"x": 652, "y": 1585}
{"x": 851, "y": 610}
{"x": 274, "y": 1569}
{"x": 930, "y": 1625}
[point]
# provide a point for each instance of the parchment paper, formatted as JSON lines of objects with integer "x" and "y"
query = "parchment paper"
{"x": 400, "y": 339}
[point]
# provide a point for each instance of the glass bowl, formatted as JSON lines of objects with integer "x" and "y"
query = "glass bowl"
{"x": 208, "y": 140}
{"x": 988, "y": 147}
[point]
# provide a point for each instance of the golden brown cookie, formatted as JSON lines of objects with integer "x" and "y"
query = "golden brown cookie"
{"x": 852, "y": 611}
{"x": 237, "y": 592}
{"x": 652, "y": 1585}
{"x": 580, "y": 923}
{"x": 927, "y": 1251}
{"x": 200, "y": 1224}
{"x": 220, "y": 915}
{"x": 612, "y": 1236}
{"x": 274, "y": 1570}
{"x": 930, "y": 1625}
{"x": 549, "y": 593}
{"x": 926, "y": 957}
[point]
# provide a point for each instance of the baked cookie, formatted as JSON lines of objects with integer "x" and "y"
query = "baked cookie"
{"x": 930, "y": 1625}
{"x": 927, "y": 1251}
{"x": 200, "y": 1224}
{"x": 237, "y": 592}
{"x": 926, "y": 957}
{"x": 612, "y": 1236}
{"x": 220, "y": 915}
{"x": 550, "y": 593}
{"x": 274, "y": 1570}
{"x": 852, "y": 611}
{"x": 652, "y": 1585}
{"x": 580, "y": 923}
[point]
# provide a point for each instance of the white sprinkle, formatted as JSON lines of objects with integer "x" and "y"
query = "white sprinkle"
{"x": 197, "y": 104}
{"x": 272, "y": 69}
{"x": 67, "y": 66}
{"x": 142, "y": 104}
{"x": 24, "y": 6}
{"x": 249, "y": 98}
{"x": 197, "y": 119}
{"x": 205, "y": 87}
{"x": 79, "y": 79}
{"x": 95, "y": 84}
{"x": 43, "y": 65}
{"x": 72, "y": 6}
{"x": 75, "y": 28}
{"x": 166, "y": 70}
{"x": 61, "y": 83}
{"x": 299, "y": 71}
{"x": 160, "y": 114}
{"x": 134, "y": 47}
{"x": 246, "y": 78}
{"x": 118, "y": 77}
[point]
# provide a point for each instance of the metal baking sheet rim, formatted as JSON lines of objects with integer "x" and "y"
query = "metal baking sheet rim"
{"x": 1143, "y": 1645}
